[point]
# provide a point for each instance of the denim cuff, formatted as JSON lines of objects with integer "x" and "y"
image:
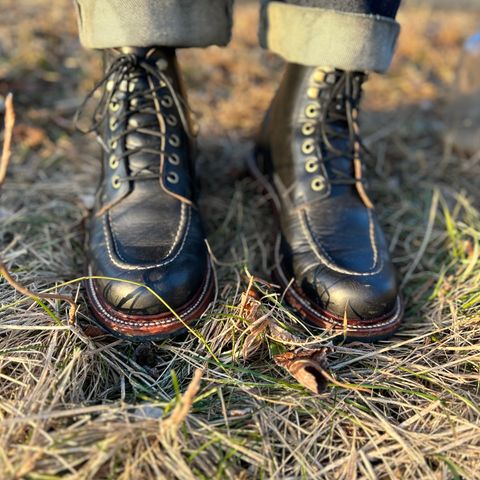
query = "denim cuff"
{"x": 323, "y": 37}
{"x": 144, "y": 23}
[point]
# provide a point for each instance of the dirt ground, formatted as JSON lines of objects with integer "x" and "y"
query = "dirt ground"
{"x": 81, "y": 407}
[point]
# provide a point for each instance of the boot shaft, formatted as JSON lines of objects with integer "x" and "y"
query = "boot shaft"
{"x": 312, "y": 133}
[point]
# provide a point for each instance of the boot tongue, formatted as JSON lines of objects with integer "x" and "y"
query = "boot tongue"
{"x": 340, "y": 166}
{"x": 137, "y": 51}
{"x": 150, "y": 54}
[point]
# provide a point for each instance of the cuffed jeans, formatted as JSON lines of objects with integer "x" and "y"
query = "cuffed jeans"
{"x": 345, "y": 34}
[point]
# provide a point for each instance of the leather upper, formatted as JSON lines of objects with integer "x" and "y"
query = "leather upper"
{"x": 145, "y": 227}
{"x": 332, "y": 244}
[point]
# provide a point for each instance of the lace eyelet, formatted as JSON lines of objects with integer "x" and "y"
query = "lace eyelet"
{"x": 308, "y": 129}
{"x": 311, "y": 165}
{"x": 172, "y": 120}
{"x": 114, "y": 106}
{"x": 166, "y": 101}
{"x": 174, "y": 141}
{"x": 312, "y": 110}
{"x": 318, "y": 184}
{"x": 174, "y": 159}
{"x": 113, "y": 162}
{"x": 173, "y": 178}
{"x": 312, "y": 92}
{"x": 110, "y": 85}
{"x": 132, "y": 85}
{"x": 116, "y": 182}
{"x": 308, "y": 146}
{"x": 318, "y": 76}
{"x": 113, "y": 144}
{"x": 113, "y": 124}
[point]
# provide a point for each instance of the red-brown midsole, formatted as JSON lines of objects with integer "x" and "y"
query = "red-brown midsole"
{"x": 150, "y": 325}
{"x": 384, "y": 325}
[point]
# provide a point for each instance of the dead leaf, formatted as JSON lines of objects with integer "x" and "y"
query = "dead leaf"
{"x": 253, "y": 341}
{"x": 29, "y": 135}
{"x": 93, "y": 331}
{"x": 249, "y": 306}
{"x": 308, "y": 367}
{"x": 249, "y": 310}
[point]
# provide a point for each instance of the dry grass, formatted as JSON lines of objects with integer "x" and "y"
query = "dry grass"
{"x": 78, "y": 408}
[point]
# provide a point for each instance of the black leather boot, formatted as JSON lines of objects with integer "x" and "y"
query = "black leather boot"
{"x": 331, "y": 256}
{"x": 145, "y": 229}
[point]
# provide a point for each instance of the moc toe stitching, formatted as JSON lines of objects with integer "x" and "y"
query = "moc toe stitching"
{"x": 323, "y": 256}
{"x": 168, "y": 259}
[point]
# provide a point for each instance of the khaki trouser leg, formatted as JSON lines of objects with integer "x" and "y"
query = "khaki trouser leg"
{"x": 298, "y": 30}
{"x": 313, "y": 36}
{"x": 144, "y": 23}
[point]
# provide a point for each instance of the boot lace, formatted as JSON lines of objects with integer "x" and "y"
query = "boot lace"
{"x": 124, "y": 69}
{"x": 340, "y": 109}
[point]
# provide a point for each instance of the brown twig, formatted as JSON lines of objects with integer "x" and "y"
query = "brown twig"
{"x": 4, "y": 162}
{"x": 7, "y": 139}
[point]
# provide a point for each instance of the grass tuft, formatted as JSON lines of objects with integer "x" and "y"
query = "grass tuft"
{"x": 78, "y": 407}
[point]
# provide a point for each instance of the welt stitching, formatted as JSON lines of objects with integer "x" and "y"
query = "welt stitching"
{"x": 167, "y": 321}
{"x": 391, "y": 320}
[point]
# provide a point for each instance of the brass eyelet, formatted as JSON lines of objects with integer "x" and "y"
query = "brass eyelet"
{"x": 174, "y": 159}
{"x": 174, "y": 141}
{"x": 312, "y": 110}
{"x": 319, "y": 75}
{"x": 308, "y": 146}
{"x": 113, "y": 144}
{"x": 312, "y": 92}
{"x": 132, "y": 84}
{"x": 113, "y": 162}
{"x": 116, "y": 182}
{"x": 114, "y": 106}
{"x": 113, "y": 124}
{"x": 133, "y": 122}
{"x": 308, "y": 128}
{"x": 318, "y": 184}
{"x": 172, "y": 120}
{"x": 110, "y": 85}
{"x": 166, "y": 101}
{"x": 173, "y": 178}
{"x": 311, "y": 165}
